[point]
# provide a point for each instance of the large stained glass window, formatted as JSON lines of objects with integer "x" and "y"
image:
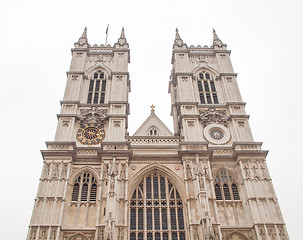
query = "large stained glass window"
{"x": 156, "y": 210}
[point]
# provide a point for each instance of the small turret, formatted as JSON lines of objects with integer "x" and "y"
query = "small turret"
{"x": 82, "y": 42}
{"x": 122, "y": 42}
{"x": 178, "y": 41}
{"x": 216, "y": 40}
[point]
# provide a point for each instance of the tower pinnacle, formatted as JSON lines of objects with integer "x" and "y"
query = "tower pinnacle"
{"x": 82, "y": 42}
{"x": 178, "y": 41}
{"x": 216, "y": 40}
{"x": 122, "y": 40}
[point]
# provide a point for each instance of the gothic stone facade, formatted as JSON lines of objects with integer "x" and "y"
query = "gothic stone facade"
{"x": 207, "y": 180}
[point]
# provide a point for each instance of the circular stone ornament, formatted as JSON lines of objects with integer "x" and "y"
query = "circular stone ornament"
{"x": 216, "y": 133}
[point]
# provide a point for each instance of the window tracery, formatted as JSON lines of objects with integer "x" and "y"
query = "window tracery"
{"x": 156, "y": 210}
{"x": 153, "y": 131}
{"x": 225, "y": 187}
{"x": 85, "y": 188}
{"x": 97, "y": 87}
{"x": 207, "y": 89}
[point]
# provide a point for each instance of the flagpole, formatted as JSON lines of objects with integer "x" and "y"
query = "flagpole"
{"x": 106, "y": 34}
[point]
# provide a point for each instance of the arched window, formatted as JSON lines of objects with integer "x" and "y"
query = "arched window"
{"x": 85, "y": 188}
{"x": 225, "y": 184}
{"x": 153, "y": 131}
{"x": 156, "y": 210}
{"x": 96, "y": 94}
{"x": 207, "y": 89}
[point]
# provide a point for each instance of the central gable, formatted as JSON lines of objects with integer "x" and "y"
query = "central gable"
{"x": 153, "y": 126}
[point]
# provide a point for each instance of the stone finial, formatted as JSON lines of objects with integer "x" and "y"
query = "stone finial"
{"x": 82, "y": 42}
{"x": 178, "y": 40}
{"x": 216, "y": 39}
{"x": 84, "y": 34}
{"x": 122, "y": 33}
{"x": 122, "y": 42}
{"x": 177, "y": 35}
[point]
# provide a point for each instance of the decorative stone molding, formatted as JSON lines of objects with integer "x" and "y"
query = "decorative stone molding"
{"x": 93, "y": 115}
{"x": 83, "y": 235}
{"x": 156, "y": 141}
{"x": 223, "y": 152}
{"x": 213, "y": 115}
{"x": 87, "y": 153}
{"x": 114, "y": 147}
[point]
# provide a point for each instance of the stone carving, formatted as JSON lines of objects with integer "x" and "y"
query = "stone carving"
{"x": 246, "y": 169}
{"x": 255, "y": 172}
{"x": 196, "y": 234}
{"x": 188, "y": 171}
{"x": 201, "y": 183}
{"x": 109, "y": 227}
{"x": 121, "y": 233}
{"x": 281, "y": 232}
{"x": 123, "y": 172}
{"x": 105, "y": 170}
{"x": 33, "y": 235}
{"x": 160, "y": 140}
{"x": 209, "y": 230}
{"x": 93, "y": 115}
{"x": 55, "y": 171}
{"x": 45, "y": 174}
{"x": 112, "y": 183}
{"x": 236, "y": 236}
{"x": 43, "y": 234}
{"x": 75, "y": 77}
{"x": 261, "y": 232}
{"x": 213, "y": 116}
{"x": 64, "y": 171}
{"x": 53, "y": 233}
{"x": 78, "y": 236}
{"x": 101, "y": 234}
{"x": 271, "y": 232}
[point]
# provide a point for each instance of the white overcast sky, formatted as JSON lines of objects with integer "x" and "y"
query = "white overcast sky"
{"x": 265, "y": 38}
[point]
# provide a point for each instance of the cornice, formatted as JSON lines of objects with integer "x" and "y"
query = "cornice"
{"x": 69, "y": 102}
{"x": 235, "y": 103}
{"x": 67, "y": 115}
{"x": 75, "y": 72}
{"x": 222, "y": 51}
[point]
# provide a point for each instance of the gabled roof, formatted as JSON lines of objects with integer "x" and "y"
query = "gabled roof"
{"x": 153, "y": 122}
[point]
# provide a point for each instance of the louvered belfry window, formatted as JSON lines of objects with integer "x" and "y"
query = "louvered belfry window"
{"x": 85, "y": 188}
{"x": 225, "y": 187}
{"x": 156, "y": 210}
{"x": 207, "y": 89}
{"x": 96, "y": 89}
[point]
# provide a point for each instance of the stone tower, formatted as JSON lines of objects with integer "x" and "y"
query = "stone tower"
{"x": 207, "y": 180}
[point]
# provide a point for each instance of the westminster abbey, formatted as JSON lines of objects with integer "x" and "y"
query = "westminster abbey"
{"x": 208, "y": 179}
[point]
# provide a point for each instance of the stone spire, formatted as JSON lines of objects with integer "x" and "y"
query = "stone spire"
{"x": 178, "y": 40}
{"x": 122, "y": 42}
{"x": 82, "y": 42}
{"x": 84, "y": 34}
{"x": 216, "y": 39}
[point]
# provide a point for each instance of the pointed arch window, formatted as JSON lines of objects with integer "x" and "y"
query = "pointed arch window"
{"x": 96, "y": 89}
{"x": 156, "y": 210}
{"x": 85, "y": 188}
{"x": 207, "y": 89}
{"x": 225, "y": 184}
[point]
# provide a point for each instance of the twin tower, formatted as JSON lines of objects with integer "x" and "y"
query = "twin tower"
{"x": 206, "y": 180}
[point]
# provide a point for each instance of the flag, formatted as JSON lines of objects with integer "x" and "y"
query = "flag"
{"x": 107, "y": 28}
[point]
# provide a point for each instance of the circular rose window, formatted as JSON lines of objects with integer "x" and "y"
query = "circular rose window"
{"x": 216, "y": 133}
